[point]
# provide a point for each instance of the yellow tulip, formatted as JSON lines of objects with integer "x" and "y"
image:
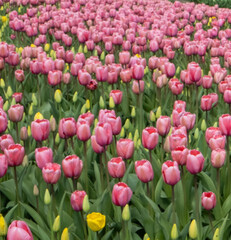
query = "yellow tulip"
{"x": 56, "y": 224}
{"x": 4, "y": 19}
{"x": 65, "y": 235}
{"x": 3, "y": 226}
{"x": 193, "y": 232}
{"x": 174, "y": 232}
{"x": 96, "y": 221}
{"x": 38, "y": 115}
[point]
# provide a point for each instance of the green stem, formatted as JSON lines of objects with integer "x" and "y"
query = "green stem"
{"x": 101, "y": 172}
{"x": 105, "y": 163}
{"x": 197, "y": 102}
{"x": 197, "y": 205}
{"x": 218, "y": 185}
{"x": 53, "y": 200}
{"x": 148, "y": 190}
{"x": 84, "y": 225}
{"x": 228, "y": 168}
{"x": 184, "y": 191}
{"x": 17, "y": 193}
{"x": 127, "y": 91}
{"x": 173, "y": 205}
{"x": 86, "y": 167}
{"x": 210, "y": 221}
{"x": 74, "y": 181}
{"x": 38, "y": 88}
{"x": 229, "y": 108}
{"x": 141, "y": 111}
{"x": 150, "y": 156}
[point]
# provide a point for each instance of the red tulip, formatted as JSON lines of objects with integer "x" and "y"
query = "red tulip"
{"x": 40, "y": 129}
{"x": 195, "y": 161}
{"x": 77, "y": 200}
{"x": 19, "y": 230}
{"x": 208, "y": 200}
{"x": 150, "y": 138}
{"x": 170, "y": 172}
{"x": 116, "y": 167}
{"x": 179, "y": 154}
{"x": 72, "y": 166}
{"x": 144, "y": 170}
{"x": 43, "y": 156}
{"x": 125, "y": 148}
{"x": 14, "y": 154}
{"x": 16, "y": 112}
{"x": 51, "y": 173}
{"x": 67, "y": 127}
{"x": 121, "y": 194}
{"x": 3, "y": 165}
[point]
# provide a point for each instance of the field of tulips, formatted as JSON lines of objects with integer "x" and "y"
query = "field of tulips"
{"x": 115, "y": 120}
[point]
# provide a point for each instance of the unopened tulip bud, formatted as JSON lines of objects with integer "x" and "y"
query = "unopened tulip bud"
{"x": 80, "y": 49}
{"x": 196, "y": 133}
{"x": 101, "y": 102}
{"x": 9, "y": 91}
{"x": 95, "y": 53}
{"x": 34, "y": 100}
{"x": 2, "y": 83}
{"x": 178, "y": 70}
{"x": 52, "y": 123}
{"x": 56, "y": 224}
{"x": 203, "y": 125}
{"x": 216, "y": 235}
{"x": 130, "y": 135}
{"x": 47, "y": 197}
{"x": 58, "y": 96}
{"x": 127, "y": 124}
{"x": 75, "y": 97}
{"x": 35, "y": 190}
{"x": 29, "y": 131}
{"x": 126, "y": 213}
{"x": 193, "y": 232}
{"x": 6, "y": 106}
{"x": 215, "y": 124}
{"x": 133, "y": 112}
{"x": 57, "y": 138}
{"x": 3, "y": 226}
{"x": 158, "y": 112}
{"x": 31, "y": 112}
{"x": 86, "y": 204}
{"x": 111, "y": 102}
{"x": 102, "y": 56}
{"x": 152, "y": 116}
{"x": 13, "y": 102}
{"x": 23, "y": 134}
{"x": 122, "y": 133}
{"x": 85, "y": 49}
{"x": 65, "y": 235}
{"x": 174, "y": 232}
{"x": 39, "y": 116}
{"x": 47, "y": 47}
{"x": 25, "y": 161}
{"x": 146, "y": 237}
{"x": 83, "y": 109}
{"x": 87, "y": 104}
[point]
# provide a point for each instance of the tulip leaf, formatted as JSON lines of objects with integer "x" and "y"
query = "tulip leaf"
{"x": 97, "y": 177}
{"x": 227, "y": 205}
{"x": 8, "y": 189}
{"x": 158, "y": 189}
{"x": 10, "y": 213}
{"x": 223, "y": 226}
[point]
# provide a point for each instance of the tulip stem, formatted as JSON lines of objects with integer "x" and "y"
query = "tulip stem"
{"x": 197, "y": 205}
{"x": 17, "y": 194}
{"x": 206, "y": 117}
{"x": 148, "y": 190}
{"x": 127, "y": 91}
{"x": 84, "y": 225}
{"x": 218, "y": 185}
{"x": 150, "y": 156}
{"x": 17, "y": 135}
{"x": 210, "y": 221}
{"x": 101, "y": 172}
{"x": 173, "y": 205}
{"x": 53, "y": 200}
{"x": 141, "y": 110}
{"x": 37, "y": 204}
{"x": 230, "y": 109}
{"x": 38, "y": 88}
{"x": 105, "y": 162}
{"x": 184, "y": 191}
{"x": 228, "y": 168}
{"x": 74, "y": 181}
{"x": 197, "y": 101}
{"x": 86, "y": 167}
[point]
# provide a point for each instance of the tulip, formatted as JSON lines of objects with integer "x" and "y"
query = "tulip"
{"x": 84, "y": 77}
{"x": 227, "y": 95}
{"x": 19, "y": 230}
{"x": 83, "y": 131}
{"x": 65, "y": 235}
{"x": 121, "y": 194}
{"x": 169, "y": 69}
{"x": 125, "y": 148}
{"x": 77, "y": 200}
{"x": 207, "y": 81}
{"x": 163, "y": 125}
{"x": 211, "y": 132}
{"x": 117, "y": 96}
{"x": 126, "y": 75}
{"x": 101, "y": 74}
{"x": 188, "y": 120}
{"x": 144, "y": 170}
{"x": 19, "y": 75}
{"x": 47, "y": 197}
{"x": 194, "y": 71}
{"x": 218, "y": 157}
{"x": 95, "y": 146}
{"x": 115, "y": 123}
{"x": 217, "y": 141}
{"x": 179, "y": 104}
{"x": 150, "y": 138}
{"x": 67, "y": 127}
{"x": 103, "y": 134}
{"x": 40, "y": 129}
{"x": 179, "y": 154}
{"x": 138, "y": 72}
{"x": 195, "y": 162}
{"x": 193, "y": 231}
{"x": 72, "y": 166}
{"x": 126, "y": 213}
{"x": 176, "y": 116}
{"x": 89, "y": 117}
{"x": 16, "y": 113}
{"x": 54, "y": 77}
{"x": 14, "y": 154}
{"x": 3, "y": 121}
{"x": 206, "y": 102}
{"x": 225, "y": 124}
{"x": 170, "y": 172}
{"x": 3, "y": 165}
{"x": 116, "y": 167}
{"x": 208, "y": 200}
{"x": 51, "y": 173}
{"x": 3, "y": 226}
{"x": 17, "y": 97}
{"x": 177, "y": 140}
{"x": 5, "y": 141}
{"x": 43, "y": 156}
{"x": 96, "y": 221}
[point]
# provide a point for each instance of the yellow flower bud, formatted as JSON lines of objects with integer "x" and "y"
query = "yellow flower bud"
{"x": 133, "y": 112}
{"x": 29, "y": 131}
{"x": 111, "y": 102}
{"x": 193, "y": 232}
{"x": 31, "y": 112}
{"x": 95, "y": 53}
{"x": 146, "y": 237}
{"x": 86, "y": 204}
{"x": 13, "y": 102}
{"x": 174, "y": 232}
{"x": 101, "y": 102}
{"x": 58, "y": 96}
{"x": 52, "y": 123}
{"x": 36, "y": 190}
{"x": 215, "y": 124}
{"x": 4, "y": 19}
{"x": 6, "y": 106}
{"x": 102, "y": 56}
{"x": 34, "y": 99}
{"x": 3, "y": 226}
{"x": 47, "y": 47}
{"x": 47, "y": 197}
{"x": 122, "y": 133}
{"x": 80, "y": 49}
{"x": 75, "y": 97}
{"x": 65, "y": 235}
{"x": 83, "y": 109}
{"x": 57, "y": 138}
{"x": 32, "y": 45}
{"x": 146, "y": 70}
{"x": 9, "y": 91}
{"x": 38, "y": 115}
{"x": 196, "y": 133}
{"x": 127, "y": 124}
{"x": 158, "y": 112}
{"x": 25, "y": 161}
{"x": 203, "y": 125}
{"x": 2, "y": 83}
{"x": 178, "y": 70}
{"x": 20, "y": 50}
{"x": 126, "y": 213}
{"x": 87, "y": 104}
{"x": 56, "y": 224}
{"x": 138, "y": 143}
{"x": 216, "y": 235}
{"x": 85, "y": 50}
{"x": 130, "y": 135}
{"x": 96, "y": 221}
{"x": 152, "y": 116}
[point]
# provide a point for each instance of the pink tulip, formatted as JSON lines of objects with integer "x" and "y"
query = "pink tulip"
{"x": 150, "y": 138}
{"x": 163, "y": 125}
{"x": 19, "y": 75}
{"x": 40, "y": 129}
{"x": 124, "y": 57}
{"x": 16, "y": 112}
{"x": 126, "y": 75}
{"x": 72, "y": 166}
{"x": 170, "y": 172}
{"x": 179, "y": 154}
{"x": 3, "y": 165}
{"x": 225, "y": 124}
{"x": 3, "y": 121}
{"x": 206, "y": 103}
{"x": 89, "y": 117}
{"x": 67, "y": 127}
{"x": 116, "y": 167}
{"x": 195, "y": 162}
{"x": 188, "y": 120}
{"x": 144, "y": 170}
{"x": 5, "y": 141}
{"x": 125, "y": 148}
{"x": 84, "y": 77}
{"x": 179, "y": 104}
{"x": 117, "y": 96}
{"x": 115, "y": 123}
{"x": 208, "y": 200}
{"x": 51, "y": 173}
{"x": 138, "y": 72}
{"x": 83, "y": 131}
{"x": 19, "y": 230}
{"x": 77, "y": 200}
{"x": 121, "y": 194}
{"x": 103, "y": 134}
{"x": 17, "y": 97}
{"x": 218, "y": 157}
{"x": 169, "y": 69}
{"x": 207, "y": 82}
{"x": 211, "y": 132}
{"x": 217, "y": 141}
{"x": 95, "y": 146}
{"x": 102, "y": 74}
{"x": 43, "y": 156}
{"x": 54, "y": 77}
{"x": 138, "y": 86}
{"x": 177, "y": 140}
{"x": 14, "y": 154}
{"x": 227, "y": 95}
{"x": 194, "y": 71}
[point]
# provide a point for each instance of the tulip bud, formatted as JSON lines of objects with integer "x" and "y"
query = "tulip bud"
{"x": 47, "y": 197}
{"x": 126, "y": 213}
{"x": 215, "y": 124}
{"x": 13, "y": 102}
{"x": 57, "y": 138}
{"x": 29, "y": 131}
{"x": 85, "y": 49}
{"x": 87, "y": 104}
{"x": 52, "y": 123}
{"x": 56, "y": 224}
{"x": 58, "y": 96}
{"x": 158, "y": 112}
{"x": 80, "y": 49}
{"x": 133, "y": 112}
{"x": 152, "y": 116}
{"x": 6, "y": 106}
{"x": 102, "y": 56}
{"x": 83, "y": 109}
{"x": 35, "y": 190}
{"x": 216, "y": 235}
{"x": 3, "y": 226}
{"x": 95, "y": 53}
{"x": 9, "y": 91}
{"x": 111, "y": 102}
{"x": 34, "y": 99}
{"x": 23, "y": 134}
{"x": 174, "y": 232}
{"x": 25, "y": 161}
{"x": 47, "y": 47}
{"x": 2, "y": 83}
{"x": 30, "y": 112}
{"x": 39, "y": 116}
{"x": 178, "y": 70}
{"x": 196, "y": 133}
{"x": 122, "y": 133}
{"x": 101, "y": 102}
{"x": 193, "y": 232}
{"x": 86, "y": 204}
{"x": 203, "y": 125}
{"x": 127, "y": 124}
{"x": 65, "y": 235}
{"x": 75, "y": 97}
{"x": 146, "y": 237}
